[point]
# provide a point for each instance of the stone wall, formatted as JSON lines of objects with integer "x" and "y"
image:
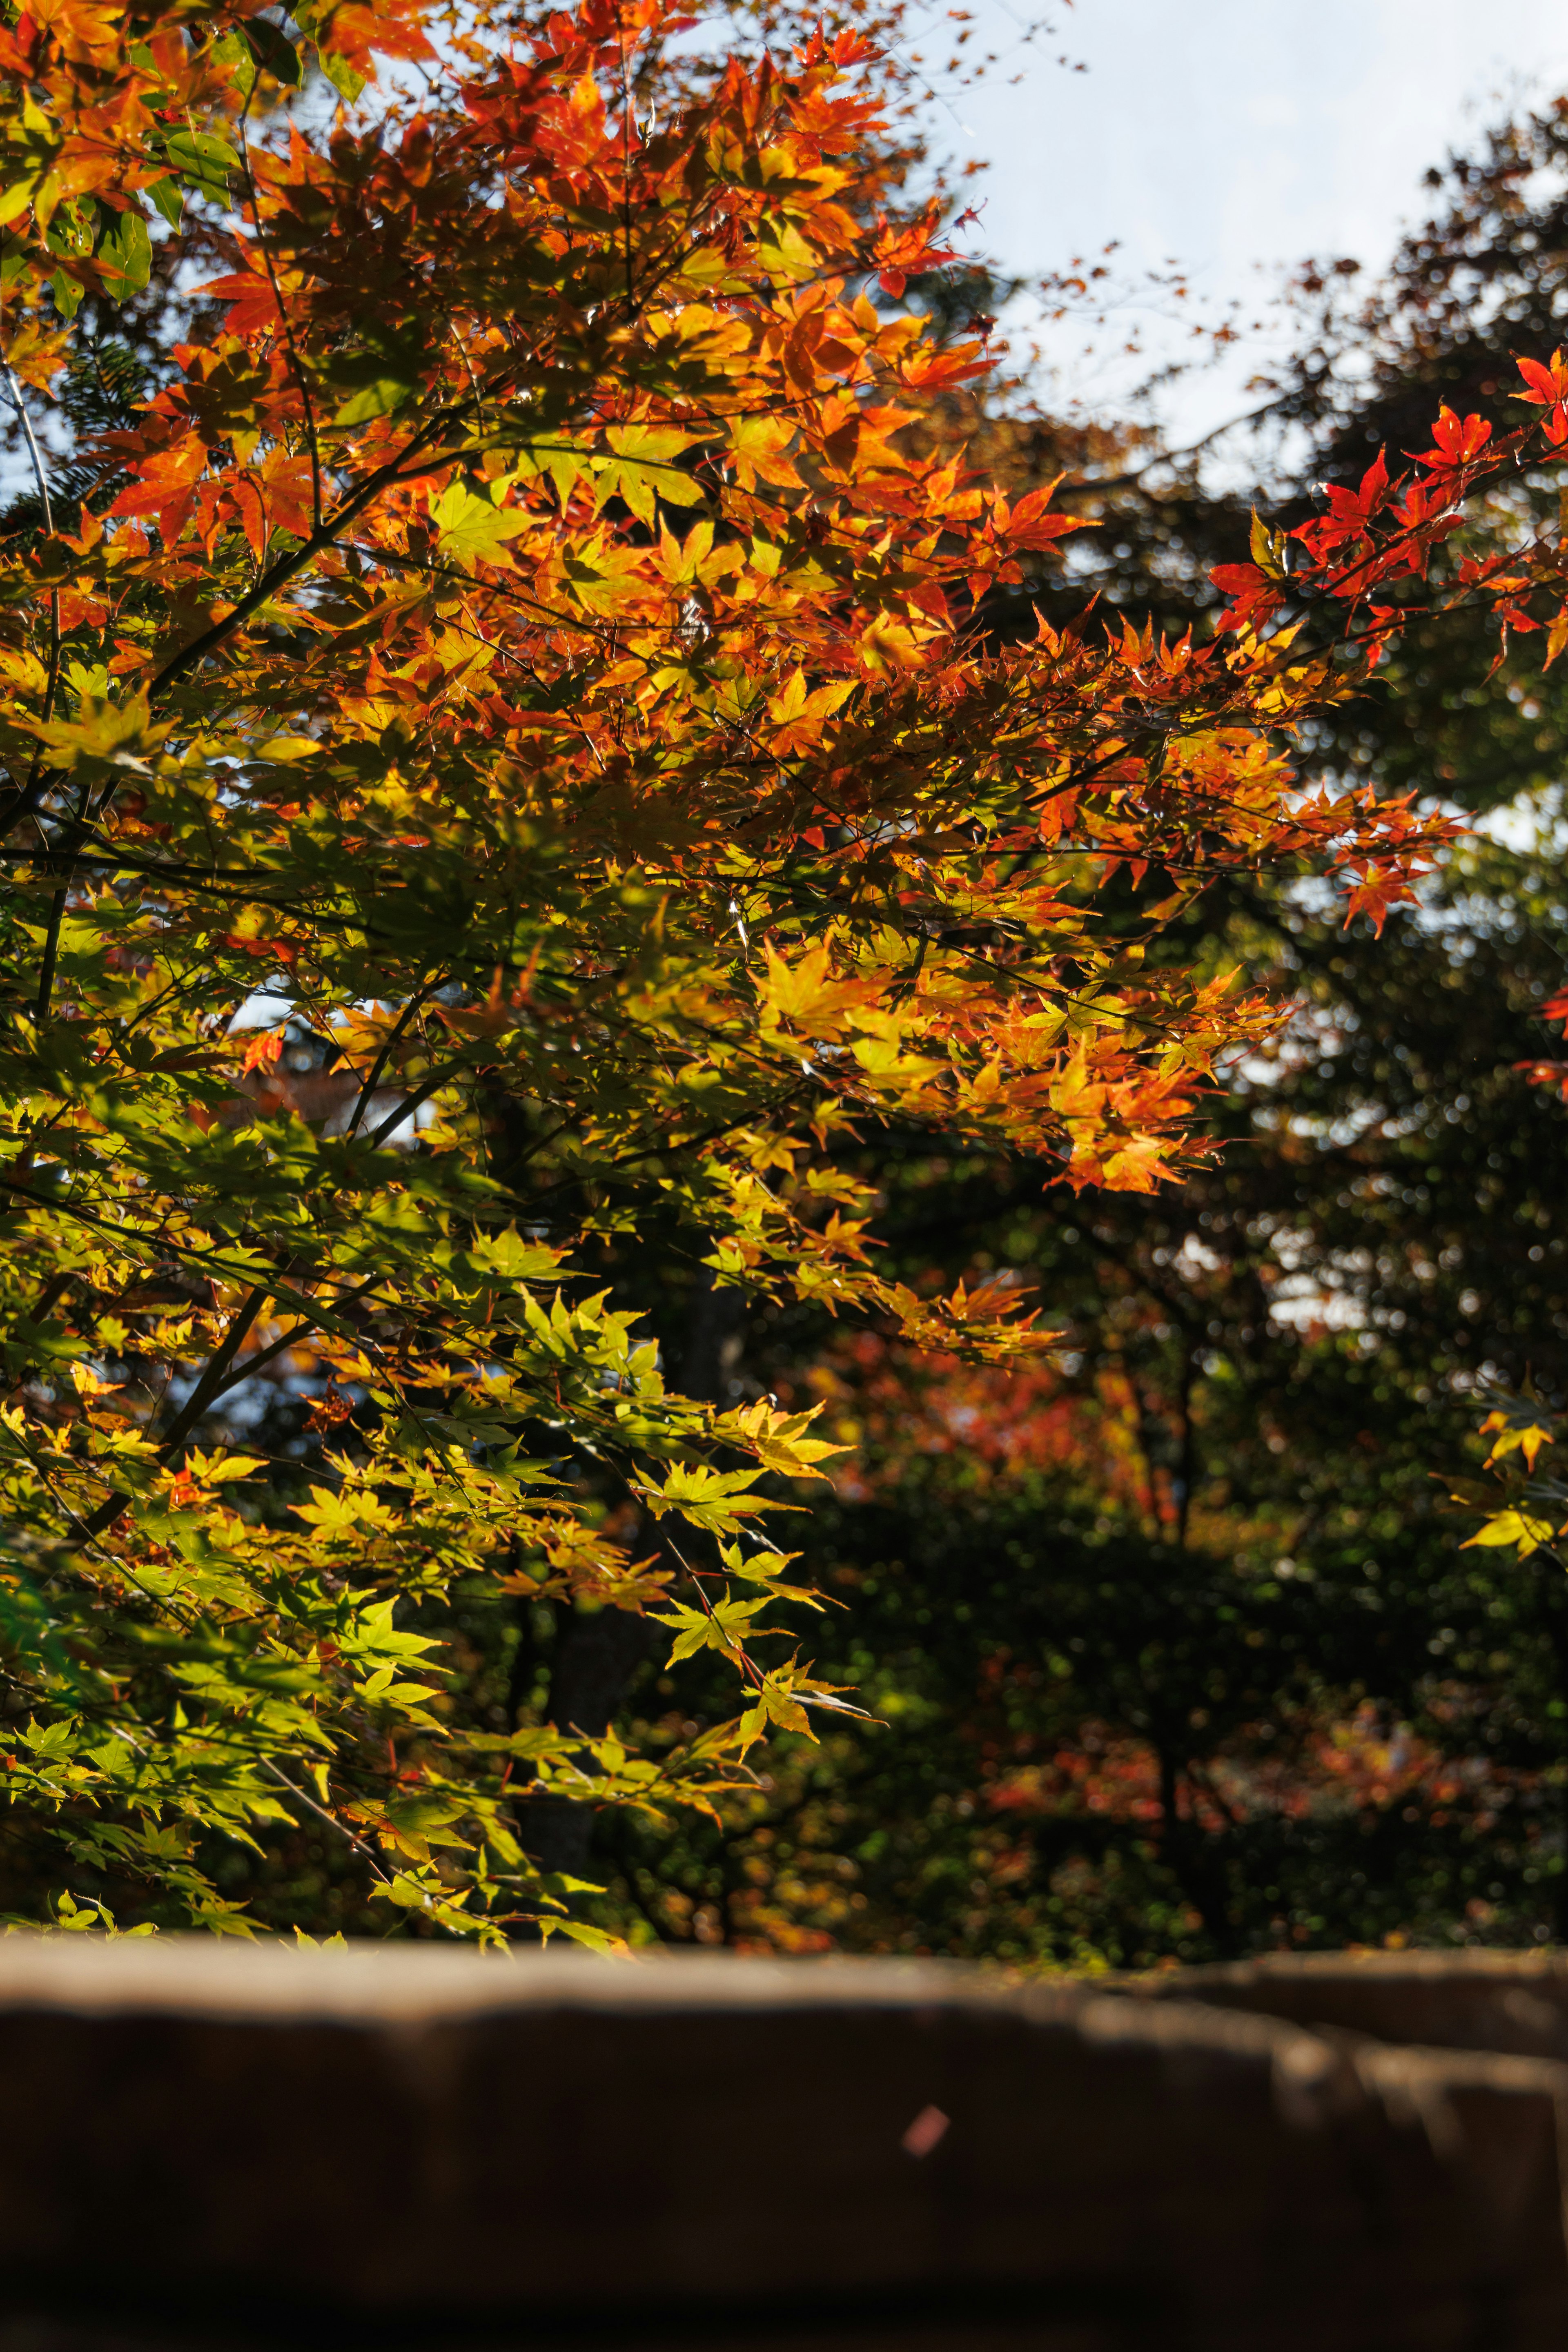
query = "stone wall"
{"x": 212, "y": 2146}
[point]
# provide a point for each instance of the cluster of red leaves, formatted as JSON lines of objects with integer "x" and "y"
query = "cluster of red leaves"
{"x": 1357, "y": 1764}
{"x": 993, "y": 1422}
{"x": 1378, "y": 540}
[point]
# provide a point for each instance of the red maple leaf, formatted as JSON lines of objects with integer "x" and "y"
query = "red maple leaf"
{"x": 266, "y": 1047}
{"x": 167, "y": 487}
{"x": 1350, "y": 513}
{"x": 1374, "y": 894}
{"x": 1454, "y": 443}
{"x": 1548, "y": 389}
{"x": 900, "y": 254}
{"x": 1256, "y": 597}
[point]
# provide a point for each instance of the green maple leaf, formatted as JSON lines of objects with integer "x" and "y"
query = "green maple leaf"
{"x": 471, "y": 529}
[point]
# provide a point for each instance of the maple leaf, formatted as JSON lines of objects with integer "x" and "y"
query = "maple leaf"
{"x": 758, "y": 447}
{"x": 798, "y": 713}
{"x": 900, "y": 254}
{"x": 262, "y": 1050}
{"x": 473, "y": 529}
{"x": 643, "y": 470}
{"x": 779, "y": 1438}
{"x": 1350, "y": 514}
{"x": 1526, "y": 1529}
{"x": 1519, "y": 1429}
{"x": 1028, "y": 524}
{"x": 1256, "y": 596}
{"x": 253, "y": 305}
{"x": 1375, "y": 894}
{"x": 1455, "y": 444}
{"x": 166, "y": 487}
{"x": 809, "y": 995}
{"x": 1545, "y": 387}
{"x": 707, "y": 1497}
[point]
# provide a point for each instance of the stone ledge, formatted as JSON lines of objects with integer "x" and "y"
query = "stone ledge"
{"x": 1514, "y": 2002}
{"x": 214, "y": 2147}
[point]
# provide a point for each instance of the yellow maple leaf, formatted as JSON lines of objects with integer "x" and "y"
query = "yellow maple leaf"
{"x": 809, "y": 995}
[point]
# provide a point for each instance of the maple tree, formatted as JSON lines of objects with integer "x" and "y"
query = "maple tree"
{"x": 514, "y": 758}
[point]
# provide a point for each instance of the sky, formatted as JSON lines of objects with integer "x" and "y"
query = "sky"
{"x": 1225, "y": 134}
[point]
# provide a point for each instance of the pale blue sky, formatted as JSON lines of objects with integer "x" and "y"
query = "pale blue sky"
{"x": 1228, "y": 133}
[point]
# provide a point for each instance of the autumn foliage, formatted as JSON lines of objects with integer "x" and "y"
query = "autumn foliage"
{"x": 521, "y": 650}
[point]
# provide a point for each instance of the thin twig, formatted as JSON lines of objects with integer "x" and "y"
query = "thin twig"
{"x": 287, "y": 567}
{"x": 89, "y": 1532}
{"x": 252, "y": 1364}
{"x": 410, "y": 1103}
{"x": 322, "y": 1814}
{"x": 302, "y": 381}
{"x": 25, "y": 421}
{"x": 24, "y": 805}
{"x": 58, "y": 906}
{"x": 379, "y": 1065}
{"x": 219, "y": 1362}
{"x": 747, "y": 1666}
{"x": 223, "y": 1374}
{"x": 627, "y": 166}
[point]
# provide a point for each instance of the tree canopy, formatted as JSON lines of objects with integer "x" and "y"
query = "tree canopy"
{"x": 519, "y": 785}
